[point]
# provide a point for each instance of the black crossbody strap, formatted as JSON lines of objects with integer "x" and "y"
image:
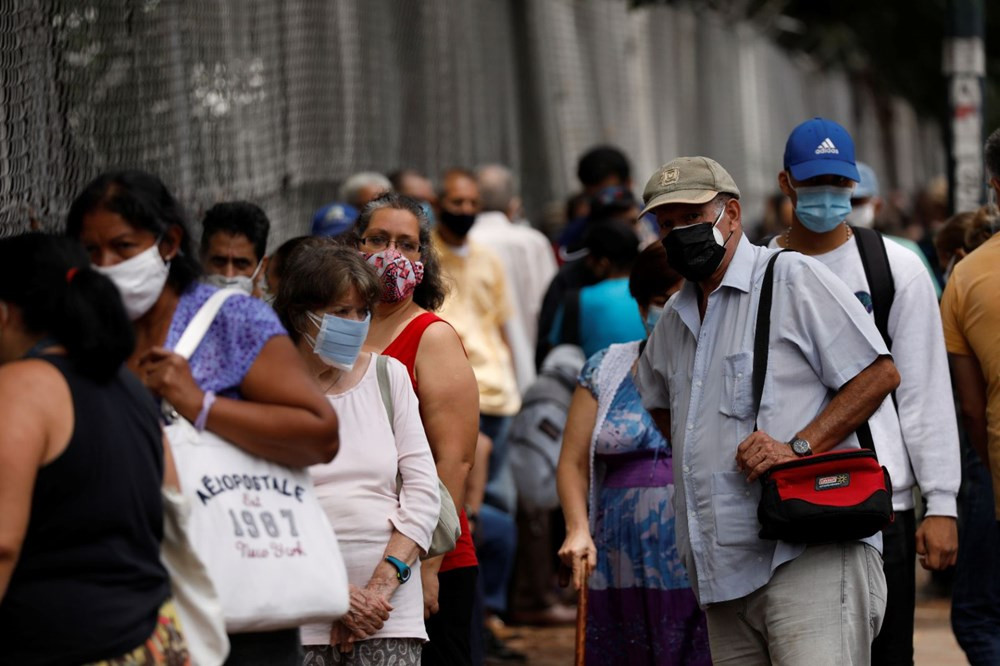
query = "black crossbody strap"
{"x": 762, "y": 335}
{"x": 871, "y": 247}
{"x": 761, "y": 342}
{"x": 878, "y": 274}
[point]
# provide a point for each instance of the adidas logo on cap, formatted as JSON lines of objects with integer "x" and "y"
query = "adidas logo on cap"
{"x": 827, "y": 148}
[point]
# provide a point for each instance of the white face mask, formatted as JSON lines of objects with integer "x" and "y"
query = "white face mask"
{"x": 140, "y": 280}
{"x": 241, "y": 282}
{"x": 863, "y": 215}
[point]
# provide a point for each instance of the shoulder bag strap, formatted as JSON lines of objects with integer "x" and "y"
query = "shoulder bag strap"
{"x": 762, "y": 335}
{"x": 871, "y": 247}
{"x": 201, "y": 322}
{"x": 878, "y": 274}
{"x": 385, "y": 388}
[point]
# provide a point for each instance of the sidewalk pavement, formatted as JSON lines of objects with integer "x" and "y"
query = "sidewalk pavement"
{"x": 934, "y": 644}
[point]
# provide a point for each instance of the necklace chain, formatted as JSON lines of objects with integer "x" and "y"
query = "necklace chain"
{"x": 788, "y": 235}
{"x": 334, "y": 382}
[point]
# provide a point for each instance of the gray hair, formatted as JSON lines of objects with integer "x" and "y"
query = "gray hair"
{"x": 721, "y": 200}
{"x": 992, "y": 154}
{"x": 496, "y": 187}
{"x": 351, "y": 187}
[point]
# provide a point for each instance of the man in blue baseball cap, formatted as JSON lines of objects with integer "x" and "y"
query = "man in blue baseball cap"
{"x": 866, "y": 204}
{"x": 866, "y": 201}
{"x": 821, "y": 177}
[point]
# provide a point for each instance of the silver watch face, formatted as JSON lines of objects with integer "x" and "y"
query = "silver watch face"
{"x": 800, "y": 447}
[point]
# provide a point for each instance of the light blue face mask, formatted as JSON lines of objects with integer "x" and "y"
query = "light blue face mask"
{"x": 429, "y": 212}
{"x": 822, "y": 207}
{"x": 339, "y": 340}
{"x": 652, "y": 316}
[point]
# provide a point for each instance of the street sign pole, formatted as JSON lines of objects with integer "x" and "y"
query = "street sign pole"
{"x": 965, "y": 69}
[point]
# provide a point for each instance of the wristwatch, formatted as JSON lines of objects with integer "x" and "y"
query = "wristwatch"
{"x": 402, "y": 568}
{"x": 800, "y": 447}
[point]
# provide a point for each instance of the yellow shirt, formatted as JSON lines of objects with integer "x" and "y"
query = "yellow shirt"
{"x": 477, "y": 307}
{"x": 970, "y": 313}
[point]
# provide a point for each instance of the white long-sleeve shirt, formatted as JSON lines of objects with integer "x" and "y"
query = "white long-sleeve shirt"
{"x": 926, "y": 420}
{"x": 357, "y": 489}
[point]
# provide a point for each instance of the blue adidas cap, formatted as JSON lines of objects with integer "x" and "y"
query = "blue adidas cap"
{"x": 820, "y": 147}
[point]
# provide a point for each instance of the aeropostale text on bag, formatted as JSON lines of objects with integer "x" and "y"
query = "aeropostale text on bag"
{"x": 216, "y": 485}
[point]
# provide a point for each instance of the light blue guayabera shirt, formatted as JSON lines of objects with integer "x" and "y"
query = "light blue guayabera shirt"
{"x": 703, "y": 372}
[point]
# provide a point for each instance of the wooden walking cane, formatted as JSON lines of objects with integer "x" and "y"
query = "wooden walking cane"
{"x": 581, "y": 623}
{"x": 565, "y": 576}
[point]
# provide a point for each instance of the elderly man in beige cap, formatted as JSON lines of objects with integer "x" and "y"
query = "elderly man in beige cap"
{"x": 827, "y": 371}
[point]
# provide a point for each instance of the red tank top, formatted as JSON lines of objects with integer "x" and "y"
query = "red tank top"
{"x": 404, "y": 349}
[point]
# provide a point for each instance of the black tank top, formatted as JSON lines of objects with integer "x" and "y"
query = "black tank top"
{"x": 89, "y": 581}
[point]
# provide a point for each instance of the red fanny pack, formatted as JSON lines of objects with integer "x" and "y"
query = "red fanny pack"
{"x": 834, "y": 496}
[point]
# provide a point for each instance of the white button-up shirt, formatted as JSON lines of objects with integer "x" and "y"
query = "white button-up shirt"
{"x": 702, "y": 371}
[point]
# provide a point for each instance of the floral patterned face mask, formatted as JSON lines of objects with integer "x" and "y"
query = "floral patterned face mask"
{"x": 399, "y": 275}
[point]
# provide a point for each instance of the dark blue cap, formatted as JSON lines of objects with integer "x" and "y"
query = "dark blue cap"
{"x": 820, "y": 147}
{"x": 333, "y": 219}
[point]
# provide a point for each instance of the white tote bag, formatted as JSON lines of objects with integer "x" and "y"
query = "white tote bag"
{"x": 195, "y": 598}
{"x": 257, "y": 525}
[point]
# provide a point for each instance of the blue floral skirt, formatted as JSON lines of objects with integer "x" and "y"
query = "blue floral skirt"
{"x": 641, "y": 607}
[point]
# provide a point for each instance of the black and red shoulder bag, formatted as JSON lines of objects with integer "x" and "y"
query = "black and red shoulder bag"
{"x": 834, "y": 496}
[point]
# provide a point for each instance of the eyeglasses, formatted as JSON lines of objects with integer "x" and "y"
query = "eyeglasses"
{"x": 404, "y": 245}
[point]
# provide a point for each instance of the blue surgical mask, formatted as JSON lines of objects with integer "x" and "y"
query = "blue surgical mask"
{"x": 339, "y": 340}
{"x": 429, "y": 212}
{"x": 822, "y": 207}
{"x": 652, "y": 316}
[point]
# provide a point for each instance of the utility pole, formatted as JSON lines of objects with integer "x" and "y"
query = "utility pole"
{"x": 965, "y": 69}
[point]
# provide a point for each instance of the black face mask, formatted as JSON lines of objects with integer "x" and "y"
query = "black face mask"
{"x": 457, "y": 223}
{"x": 694, "y": 252}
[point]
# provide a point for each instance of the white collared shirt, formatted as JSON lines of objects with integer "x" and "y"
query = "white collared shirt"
{"x": 702, "y": 371}
{"x": 528, "y": 259}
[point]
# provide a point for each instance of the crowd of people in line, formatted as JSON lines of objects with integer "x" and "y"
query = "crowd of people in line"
{"x": 586, "y": 402}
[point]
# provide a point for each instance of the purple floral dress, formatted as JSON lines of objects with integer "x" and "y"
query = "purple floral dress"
{"x": 235, "y": 338}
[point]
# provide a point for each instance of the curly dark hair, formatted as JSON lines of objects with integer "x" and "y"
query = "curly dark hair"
{"x": 431, "y": 292}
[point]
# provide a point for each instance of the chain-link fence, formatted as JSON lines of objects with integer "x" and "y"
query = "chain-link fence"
{"x": 276, "y": 101}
